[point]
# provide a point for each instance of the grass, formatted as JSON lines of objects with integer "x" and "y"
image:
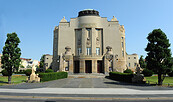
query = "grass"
{"x": 154, "y": 80}
{"x": 16, "y": 79}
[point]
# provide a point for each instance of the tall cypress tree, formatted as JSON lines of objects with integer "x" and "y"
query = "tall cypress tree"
{"x": 11, "y": 55}
{"x": 158, "y": 54}
{"x": 42, "y": 61}
{"x": 142, "y": 62}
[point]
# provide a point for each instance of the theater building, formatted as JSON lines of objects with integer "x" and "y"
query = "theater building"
{"x": 89, "y": 44}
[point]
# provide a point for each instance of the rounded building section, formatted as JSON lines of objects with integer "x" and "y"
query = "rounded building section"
{"x": 88, "y": 12}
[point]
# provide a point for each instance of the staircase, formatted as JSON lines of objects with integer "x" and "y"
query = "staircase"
{"x": 86, "y": 75}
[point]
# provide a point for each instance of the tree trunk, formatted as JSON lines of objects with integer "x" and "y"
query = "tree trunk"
{"x": 9, "y": 79}
{"x": 160, "y": 79}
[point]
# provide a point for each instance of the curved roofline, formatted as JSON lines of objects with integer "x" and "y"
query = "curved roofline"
{"x": 88, "y": 12}
{"x": 87, "y": 9}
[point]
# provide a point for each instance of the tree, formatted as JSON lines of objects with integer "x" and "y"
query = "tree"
{"x": 158, "y": 57}
{"x": 42, "y": 61}
{"x": 142, "y": 62}
{"x": 28, "y": 66}
{"x": 21, "y": 66}
{"x": 11, "y": 55}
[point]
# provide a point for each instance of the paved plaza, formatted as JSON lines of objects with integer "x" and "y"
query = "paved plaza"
{"x": 84, "y": 88}
{"x": 85, "y": 81}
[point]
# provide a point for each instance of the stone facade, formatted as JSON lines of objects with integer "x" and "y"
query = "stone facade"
{"x": 47, "y": 61}
{"x": 89, "y": 44}
{"x": 132, "y": 61}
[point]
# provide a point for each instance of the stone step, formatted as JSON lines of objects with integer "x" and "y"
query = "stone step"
{"x": 86, "y": 75}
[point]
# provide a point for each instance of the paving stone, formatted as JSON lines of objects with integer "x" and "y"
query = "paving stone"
{"x": 97, "y": 82}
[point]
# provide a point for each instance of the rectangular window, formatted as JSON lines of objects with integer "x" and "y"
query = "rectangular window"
{"x": 122, "y": 44}
{"x": 88, "y": 32}
{"x": 98, "y": 32}
{"x": 129, "y": 57}
{"x": 88, "y": 51}
{"x": 129, "y": 64}
{"x": 97, "y": 51}
{"x": 46, "y": 64}
{"x": 79, "y": 51}
{"x": 123, "y": 53}
{"x": 135, "y": 64}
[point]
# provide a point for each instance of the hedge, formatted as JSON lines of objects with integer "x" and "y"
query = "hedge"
{"x": 52, "y": 76}
{"x": 19, "y": 72}
{"x": 118, "y": 76}
{"x": 49, "y": 71}
{"x": 128, "y": 71}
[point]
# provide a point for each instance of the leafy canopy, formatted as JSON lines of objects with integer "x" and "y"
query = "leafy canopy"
{"x": 11, "y": 53}
{"x": 158, "y": 53}
{"x": 142, "y": 62}
{"x": 42, "y": 61}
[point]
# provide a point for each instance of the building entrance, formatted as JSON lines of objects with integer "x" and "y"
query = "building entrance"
{"x": 88, "y": 66}
{"x": 99, "y": 67}
{"x": 76, "y": 66}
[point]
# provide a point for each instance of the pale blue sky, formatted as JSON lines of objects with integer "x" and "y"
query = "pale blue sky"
{"x": 34, "y": 21}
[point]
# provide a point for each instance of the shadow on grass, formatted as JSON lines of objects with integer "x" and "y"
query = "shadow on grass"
{"x": 3, "y": 82}
{"x": 126, "y": 83}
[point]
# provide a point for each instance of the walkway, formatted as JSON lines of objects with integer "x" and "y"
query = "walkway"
{"x": 84, "y": 81}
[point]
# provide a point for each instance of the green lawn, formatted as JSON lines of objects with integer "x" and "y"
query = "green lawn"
{"x": 16, "y": 79}
{"x": 154, "y": 80}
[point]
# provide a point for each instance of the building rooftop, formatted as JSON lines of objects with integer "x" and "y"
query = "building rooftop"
{"x": 88, "y": 12}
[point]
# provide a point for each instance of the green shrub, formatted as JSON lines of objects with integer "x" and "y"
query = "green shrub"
{"x": 19, "y": 72}
{"x": 4, "y": 72}
{"x": 128, "y": 71}
{"x": 49, "y": 71}
{"x": 147, "y": 72}
{"x": 52, "y": 76}
{"x": 28, "y": 72}
{"x": 170, "y": 74}
{"x": 118, "y": 76}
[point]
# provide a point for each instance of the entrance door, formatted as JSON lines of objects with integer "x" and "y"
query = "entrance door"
{"x": 76, "y": 66}
{"x": 88, "y": 66}
{"x": 99, "y": 67}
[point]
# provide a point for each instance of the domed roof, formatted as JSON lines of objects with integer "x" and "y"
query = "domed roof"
{"x": 88, "y": 12}
{"x": 113, "y": 19}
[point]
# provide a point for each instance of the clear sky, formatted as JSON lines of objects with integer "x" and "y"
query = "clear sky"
{"x": 34, "y": 21}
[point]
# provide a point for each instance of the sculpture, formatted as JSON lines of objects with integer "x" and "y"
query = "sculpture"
{"x": 34, "y": 77}
{"x": 138, "y": 78}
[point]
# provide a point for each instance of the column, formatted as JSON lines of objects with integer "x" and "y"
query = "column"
{"x": 82, "y": 66}
{"x": 106, "y": 66}
{"x": 61, "y": 64}
{"x": 71, "y": 66}
{"x": 93, "y": 41}
{"x": 94, "y": 66}
{"x": 114, "y": 63}
{"x": 83, "y": 41}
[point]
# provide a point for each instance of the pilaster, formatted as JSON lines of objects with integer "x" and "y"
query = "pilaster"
{"x": 83, "y": 41}
{"x": 82, "y": 66}
{"x": 93, "y": 41}
{"x": 94, "y": 66}
{"x": 71, "y": 66}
